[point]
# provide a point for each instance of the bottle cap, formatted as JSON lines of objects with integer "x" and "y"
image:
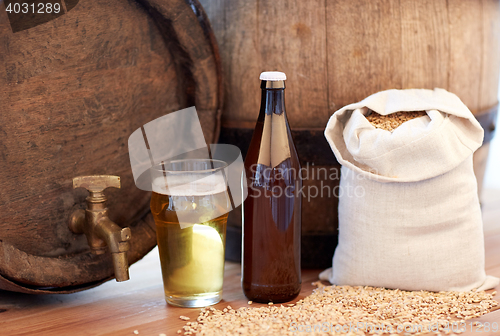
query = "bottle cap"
{"x": 272, "y": 76}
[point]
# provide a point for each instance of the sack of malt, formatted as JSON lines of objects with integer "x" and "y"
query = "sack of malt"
{"x": 409, "y": 214}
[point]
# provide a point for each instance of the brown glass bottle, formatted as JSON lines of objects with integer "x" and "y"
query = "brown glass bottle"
{"x": 272, "y": 210}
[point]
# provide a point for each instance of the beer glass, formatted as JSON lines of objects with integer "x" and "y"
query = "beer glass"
{"x": 190, "y": 204}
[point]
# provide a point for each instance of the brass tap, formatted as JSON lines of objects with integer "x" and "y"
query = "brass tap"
{"x": 94, "y": 222}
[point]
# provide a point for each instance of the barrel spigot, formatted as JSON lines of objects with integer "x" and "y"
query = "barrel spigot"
{"x": 94, "y": 222}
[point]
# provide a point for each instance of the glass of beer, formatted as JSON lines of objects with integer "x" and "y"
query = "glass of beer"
{"x": 190, "y": 205}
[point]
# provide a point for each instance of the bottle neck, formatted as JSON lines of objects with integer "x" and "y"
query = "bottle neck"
{"x": 273, "y": 101}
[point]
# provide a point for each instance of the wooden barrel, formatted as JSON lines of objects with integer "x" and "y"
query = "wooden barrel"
{"x": 338, "y": 52}
{"x": 73, "y": 90}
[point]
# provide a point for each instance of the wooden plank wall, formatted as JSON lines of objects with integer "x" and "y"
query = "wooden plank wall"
{"x": 338, "y": 52}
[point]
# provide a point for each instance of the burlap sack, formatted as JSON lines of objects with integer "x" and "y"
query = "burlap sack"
{"x": 409, "y": 214}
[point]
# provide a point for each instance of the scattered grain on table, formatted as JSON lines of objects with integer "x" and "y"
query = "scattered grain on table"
{"x": 392, "y": 121}
{"x": 341, "y": 305}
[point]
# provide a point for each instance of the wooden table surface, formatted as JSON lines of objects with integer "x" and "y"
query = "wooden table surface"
{"x": 138, "y": 304}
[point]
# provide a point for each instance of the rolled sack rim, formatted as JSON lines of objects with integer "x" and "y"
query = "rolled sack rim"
{"x": 463, "y": 137}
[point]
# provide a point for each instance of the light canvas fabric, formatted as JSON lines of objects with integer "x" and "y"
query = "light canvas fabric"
{"x": 409, "y": 214}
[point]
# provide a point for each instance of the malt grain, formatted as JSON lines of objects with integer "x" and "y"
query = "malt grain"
{"x": 340, "y": 305}
{"x": 392, "y": 121}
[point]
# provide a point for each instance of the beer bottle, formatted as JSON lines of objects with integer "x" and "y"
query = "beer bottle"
{"x": 272, "y": 210}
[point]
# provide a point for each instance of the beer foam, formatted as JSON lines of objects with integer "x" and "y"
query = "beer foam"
{"x": 189, "y": 185}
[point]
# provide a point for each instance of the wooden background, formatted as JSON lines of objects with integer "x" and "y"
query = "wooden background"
{"x": 337, "y": 52}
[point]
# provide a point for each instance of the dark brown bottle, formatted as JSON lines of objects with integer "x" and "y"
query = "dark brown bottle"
{"x": 272, "y": 210}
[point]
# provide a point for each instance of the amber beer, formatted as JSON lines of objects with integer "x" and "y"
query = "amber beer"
{"x": 272, "y": 210}
{"x": 190, "y": 212}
